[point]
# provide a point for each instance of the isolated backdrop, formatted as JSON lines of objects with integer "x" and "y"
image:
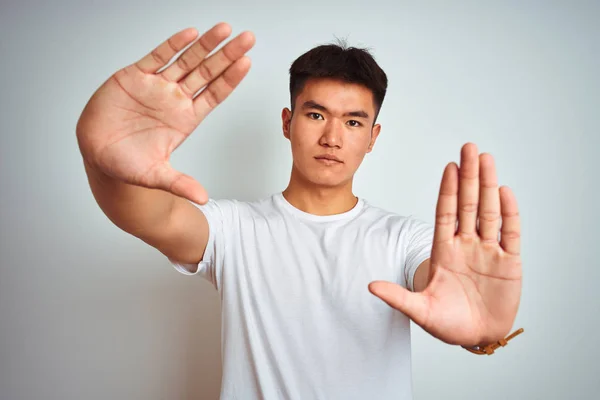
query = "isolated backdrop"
{"x": 89, "y": 312}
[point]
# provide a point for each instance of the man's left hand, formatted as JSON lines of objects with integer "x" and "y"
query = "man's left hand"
{"x": 475, "y": 272}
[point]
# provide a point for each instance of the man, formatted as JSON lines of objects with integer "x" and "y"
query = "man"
{"x": 302, "y": 274}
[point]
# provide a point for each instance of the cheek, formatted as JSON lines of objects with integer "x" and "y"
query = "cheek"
{"x": 301, "y": 155}
{"x": 303, "y": 141}
{"x": 298, "y": 147}
{"x": 357, "y": 148}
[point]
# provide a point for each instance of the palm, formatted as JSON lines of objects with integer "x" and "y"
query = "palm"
{"x": 468, "y": 297}
{"x": 138, "y": 117}
{"x": 474, "y": 280}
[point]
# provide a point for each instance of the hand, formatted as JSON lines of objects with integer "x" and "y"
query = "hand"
{"x": 474, "y": 285}
{"x": 139, "y": 116}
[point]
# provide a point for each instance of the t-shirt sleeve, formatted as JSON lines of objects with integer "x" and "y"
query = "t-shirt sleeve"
{"x": 419, "y": 236}
{"x": 220, "y": 215}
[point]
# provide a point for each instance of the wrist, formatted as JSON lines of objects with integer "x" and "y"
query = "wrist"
{"x": 490, "y": 348}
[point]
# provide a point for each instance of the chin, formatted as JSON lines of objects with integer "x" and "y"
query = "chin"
{"x": 321, "y": 176}
{"x": 326, "y": 180}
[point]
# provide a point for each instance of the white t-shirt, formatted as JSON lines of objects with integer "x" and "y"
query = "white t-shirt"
{"x": 298, "y": 320}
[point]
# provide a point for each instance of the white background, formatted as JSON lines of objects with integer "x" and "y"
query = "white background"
{"x": 89, "y": 312}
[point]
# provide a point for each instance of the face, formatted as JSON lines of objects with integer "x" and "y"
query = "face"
{"x": 331, "y": 119}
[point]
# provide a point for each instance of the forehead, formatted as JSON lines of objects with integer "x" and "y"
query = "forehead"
{"x": 337, "y": 95}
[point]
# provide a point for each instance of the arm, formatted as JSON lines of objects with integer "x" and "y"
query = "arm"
{"x": 171, "y": 224}
{"x": 138, "y": 117}
{"x": 421, "y": 279}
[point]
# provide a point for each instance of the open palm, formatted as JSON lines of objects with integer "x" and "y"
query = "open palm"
{"x": 475, "y": 278}
{"x": 139, "y": 116}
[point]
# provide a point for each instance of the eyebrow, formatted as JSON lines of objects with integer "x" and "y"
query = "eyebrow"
{"x": 317, "y": 106}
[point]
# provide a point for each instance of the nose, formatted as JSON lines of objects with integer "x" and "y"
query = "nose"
{"x": 332, "y": 134}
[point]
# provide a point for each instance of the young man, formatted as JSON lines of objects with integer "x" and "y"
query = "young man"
{"x": 302, "y": 274}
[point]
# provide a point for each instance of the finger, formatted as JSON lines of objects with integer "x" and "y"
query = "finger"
{"x": 196, "y": 53}
{"x": 413, "y": 305}
{"x": 160, "y": 56}
{"x": 489, "y": 200}
{"x": 181, "y": 185}
{"x": 468, "y": 190}
{"x": 510, "y": 235}
{"x": 214, "y": 66}
{"x": 445, "y": 212}
{"x": 218, "y": 91}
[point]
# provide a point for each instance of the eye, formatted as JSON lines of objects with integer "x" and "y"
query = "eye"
{"x": 354, "y": 123}
{"x": 314, "y": 115}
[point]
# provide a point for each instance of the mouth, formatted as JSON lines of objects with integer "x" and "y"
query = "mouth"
{"x": 328, "y": 159}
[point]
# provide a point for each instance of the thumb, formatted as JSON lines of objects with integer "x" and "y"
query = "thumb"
{"x": 181, "y": 185}
{"x": 414, "y": 305}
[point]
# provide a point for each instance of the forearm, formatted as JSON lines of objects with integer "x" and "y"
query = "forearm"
{"x": 136, "y": 210}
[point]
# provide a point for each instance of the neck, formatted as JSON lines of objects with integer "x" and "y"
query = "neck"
{"x": 319, "y": 200}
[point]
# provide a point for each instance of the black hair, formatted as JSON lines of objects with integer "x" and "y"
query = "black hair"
{"x": 338, "y": 61}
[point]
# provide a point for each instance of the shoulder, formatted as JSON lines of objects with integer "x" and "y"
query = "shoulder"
{"x": 239, "y": 209}
{"x": 379, "y": 216}
{"x": 393, "y": 222}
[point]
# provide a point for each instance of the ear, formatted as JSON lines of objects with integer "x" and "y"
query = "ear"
{"x": 286, "y": 120}
{"x": 374, "y": 134}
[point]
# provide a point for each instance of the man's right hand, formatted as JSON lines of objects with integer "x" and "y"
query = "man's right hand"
{"x": 139, "y": 116}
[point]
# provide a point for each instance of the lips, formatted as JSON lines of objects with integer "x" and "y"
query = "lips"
{"x": 330, "y": 157}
